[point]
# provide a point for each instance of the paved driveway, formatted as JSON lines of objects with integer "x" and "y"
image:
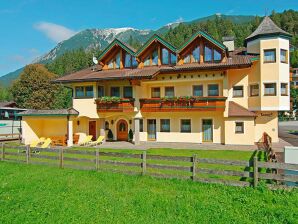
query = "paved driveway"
{"x": 283, "y": 131}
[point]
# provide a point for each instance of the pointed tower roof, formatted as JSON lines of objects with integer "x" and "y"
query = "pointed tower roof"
{"x": 267, "y": 28}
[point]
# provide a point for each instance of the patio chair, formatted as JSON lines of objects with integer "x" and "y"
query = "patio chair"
{"x": 87, "y": 139}
{"x": 97, "y": 142}
{"x": 46, "y": 144}
{"x": 37, "y": 142}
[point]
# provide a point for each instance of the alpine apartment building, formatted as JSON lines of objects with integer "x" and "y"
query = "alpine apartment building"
{"x": 204, "y": 91}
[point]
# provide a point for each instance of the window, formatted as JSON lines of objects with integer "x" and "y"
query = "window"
{"x": 269, "y": 56}
{"x": 100, "y": 91}
{"x": 196, "y": 54}
{"x": 213, "y": 90}
{"x": 238, "y": 91}
{"x": 198, "y": 90}
{"x": 111, "y": 64}
{"x": 127, "y": 60}
{"x": 155, "y": 92}
{"x": 284, "y": 89}
{"x": 270, "y": 89}
{"x": 165, "y": 125}
{"x": 283, "y": 56}
{"x": 185, "y": 126}
{"x": 147, "y": 61}
{"x": 187, "y": 59}
{"x": 239, "y": 127}
{"x": 115, "y": 91}
{"x": 165, "y": 56}
{"x": 80, "y": 91}
{"x": 207, "y": 54}
{"x": 169, "y": 91}
{"x": 216, "y": 55}
{"x": 134, "y": 62}
{"x": 254, "y": 90}
{"x": 154, "y": 58}
{"x": 127, "y": 92}
{"x": 84, "y": 91}
{"x": 107, "y": 125}
{"x": 173, "y": 59}
{"x": 141, "y": 125}
{"x": 117, "y": 61}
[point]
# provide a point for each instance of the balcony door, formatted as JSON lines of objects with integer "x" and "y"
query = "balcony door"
{"x": 122, "y": 130}
{"x": 207, "y": 128}
{"x": 151, "y": 129}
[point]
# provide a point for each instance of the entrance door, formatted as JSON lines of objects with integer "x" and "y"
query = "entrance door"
{"x": 207, "y": 128}
{"x": 92, "y": 129}
{"x": 151, "y": 129}
{"x": 122, "y": 130}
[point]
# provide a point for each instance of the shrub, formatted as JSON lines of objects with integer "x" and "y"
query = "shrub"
{"x": 130, "y": 135}
{"x": 110, "y": 135}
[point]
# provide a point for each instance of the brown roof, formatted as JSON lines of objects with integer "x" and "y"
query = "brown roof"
{"x": 58, "y": 112}
{"x": 7, "y": 104}
{"x": 148, "y": 72}
{"x": 235, "y": 110}
{"x": 267, "y": 27}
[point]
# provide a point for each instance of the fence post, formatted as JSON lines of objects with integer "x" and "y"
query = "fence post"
{"x": 2, "y": 152}
{"x": 256, "y": 171}
{"x": 194, "y": 161}
{"x": 27, "y": 154}
{"x": 144, "y": 163}
{"x": 61, "y": 158}
{"x": 97, "y": 159}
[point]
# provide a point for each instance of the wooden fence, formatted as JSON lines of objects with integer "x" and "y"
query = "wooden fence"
{"x": 229, "y": 172}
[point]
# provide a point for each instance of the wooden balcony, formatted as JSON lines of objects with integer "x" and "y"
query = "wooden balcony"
{"x": 122, "y": 105}
{"x": 216, "y": 103}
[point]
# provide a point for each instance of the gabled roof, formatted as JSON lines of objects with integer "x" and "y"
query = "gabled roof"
{"x": 235, "y": 110}
{"x": 124, "y": 46}
{"x": 158, "y": 38}
{"x": 267, "y": 28}
{"x": 205, "y": 35}
{"x": 58, "y": 112}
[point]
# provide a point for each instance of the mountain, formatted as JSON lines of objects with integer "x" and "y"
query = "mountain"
{"x": 100, "y": 38}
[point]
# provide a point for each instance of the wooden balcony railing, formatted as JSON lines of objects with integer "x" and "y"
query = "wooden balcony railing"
{"x": 121, "y": 105}
{"x": 180, "y": 105}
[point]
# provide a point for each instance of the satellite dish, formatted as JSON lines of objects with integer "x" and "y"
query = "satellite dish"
{"x": 95, "y": 61}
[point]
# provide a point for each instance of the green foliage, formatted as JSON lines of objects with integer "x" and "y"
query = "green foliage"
{"x": 72, "y": 61}
{"x": 110, "y": 134}
{"x": 130, "y": 135}
{"x": 109, "y": 99}
{"x": 5, "y": 94}
{"x": 41, "y": 194}
{"x": 294, "y": 96}
{"x": 33, "y": 89}
{"x": 136, "y": 44}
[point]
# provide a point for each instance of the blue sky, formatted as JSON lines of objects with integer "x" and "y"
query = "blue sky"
{"x": 30, "y": 28}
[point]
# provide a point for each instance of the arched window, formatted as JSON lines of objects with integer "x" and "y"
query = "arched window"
{"x": 207, "y": 54}
{"x": 196, "y": 54}
{"x": 107, "y": 125}
{"x": 122, "y": 126}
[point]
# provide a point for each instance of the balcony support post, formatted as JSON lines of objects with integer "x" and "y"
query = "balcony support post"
{"x": 69, "y": 132}
{"x": 137, "y": 130}
{"x": 102, "y": 132}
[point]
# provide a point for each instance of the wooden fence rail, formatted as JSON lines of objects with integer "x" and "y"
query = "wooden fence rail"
{"x": 183, "y": 167}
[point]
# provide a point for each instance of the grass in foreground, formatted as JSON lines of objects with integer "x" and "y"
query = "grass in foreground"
{"x": 41, "y": 194}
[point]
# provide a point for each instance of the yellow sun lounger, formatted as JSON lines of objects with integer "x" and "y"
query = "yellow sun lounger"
{"x": 37, "y": 142}
{"x": 46, "y": 144}
{"x": 87, "y": 140}
{"x": 98, "y": 141}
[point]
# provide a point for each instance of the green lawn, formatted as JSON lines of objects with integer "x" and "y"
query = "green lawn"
{"x": 42, "y": 194}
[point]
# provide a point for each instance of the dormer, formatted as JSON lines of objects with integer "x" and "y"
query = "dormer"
{"x": 156, "y": 52}
{"x": 201, "y": 48}
{"x": 118, "y": 56}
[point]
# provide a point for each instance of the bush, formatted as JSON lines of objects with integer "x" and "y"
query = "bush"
{"x": 130, "y": 135}
{"x": 110, "y": 135}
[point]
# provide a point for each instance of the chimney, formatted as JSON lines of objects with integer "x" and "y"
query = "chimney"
{"x": 229, "y": 43}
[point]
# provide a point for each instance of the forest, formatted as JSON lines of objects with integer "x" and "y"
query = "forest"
{"x": 30, "y": 93}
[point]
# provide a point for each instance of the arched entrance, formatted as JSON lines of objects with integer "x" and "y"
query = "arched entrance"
{"x": 122, "y": 130}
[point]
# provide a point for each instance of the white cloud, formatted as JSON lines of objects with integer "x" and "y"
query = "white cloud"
{"x": 55, "y": 32}
{"x": 179, "y": 20}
